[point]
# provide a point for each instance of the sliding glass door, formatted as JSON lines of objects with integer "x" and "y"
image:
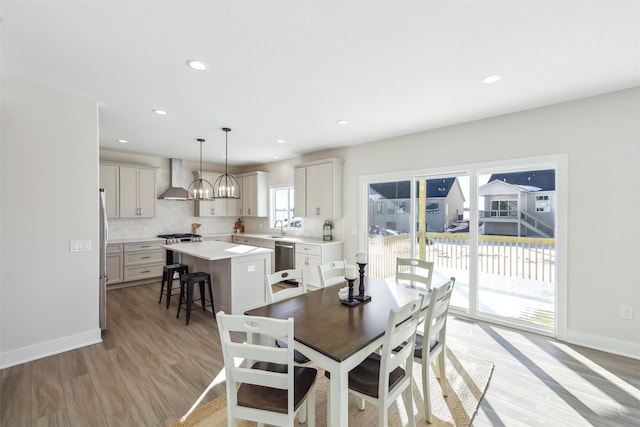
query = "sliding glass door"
{"x": 493, "y": 229}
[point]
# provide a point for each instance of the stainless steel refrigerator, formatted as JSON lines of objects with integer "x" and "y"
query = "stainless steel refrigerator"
{"x": 104, "y": 234}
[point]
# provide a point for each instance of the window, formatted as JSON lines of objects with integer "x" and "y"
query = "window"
{"x": 380, "y": 208}
{"x": 281, "y": 209}
{"x": 504, "y": 208}
{"x": 433, "y": 208}
{"x": 542, "y": 204}
{"x": 391, "y": 207}
{"x": 401, "y": 207}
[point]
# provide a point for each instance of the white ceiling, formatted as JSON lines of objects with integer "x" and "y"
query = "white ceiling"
{"x": 290, "y": 69}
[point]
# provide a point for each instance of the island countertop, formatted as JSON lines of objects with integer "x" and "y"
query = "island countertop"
{"x": 214, "y": 250}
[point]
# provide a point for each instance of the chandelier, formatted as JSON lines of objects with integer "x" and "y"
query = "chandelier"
{"x": 200, "y": 189}
{"x": 226, "y": 186}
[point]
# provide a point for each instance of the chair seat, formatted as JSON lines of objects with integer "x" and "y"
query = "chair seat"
{"x": 274, "y": 399}
{"x": 297, "y": 356}
{"x": 417, "y": 352}
{"x": 364, "y": 378}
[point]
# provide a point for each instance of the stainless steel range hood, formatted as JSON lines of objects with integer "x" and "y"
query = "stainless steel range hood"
{"x": 175, "y": 192}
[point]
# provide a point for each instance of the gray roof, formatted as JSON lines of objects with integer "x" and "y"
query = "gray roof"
{"x": 545, "y": 180}
{"x": 401, "y": 189}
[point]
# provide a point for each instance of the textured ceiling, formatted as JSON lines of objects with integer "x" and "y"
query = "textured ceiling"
{"x": 290, "y": 69}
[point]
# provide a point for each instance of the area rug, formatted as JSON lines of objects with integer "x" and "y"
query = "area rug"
{"x": 468, "y": 379}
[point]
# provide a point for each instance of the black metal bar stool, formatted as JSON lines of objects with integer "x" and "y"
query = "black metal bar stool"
{"x": 168, "y": 275}
{"x": 186, "y": 286}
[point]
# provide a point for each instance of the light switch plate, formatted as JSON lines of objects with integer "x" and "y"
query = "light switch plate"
{"x": 80, "y": 246}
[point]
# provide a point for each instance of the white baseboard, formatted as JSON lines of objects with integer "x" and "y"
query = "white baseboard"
{"x": 49, "y": 348}
{"x": 610, "y": 345}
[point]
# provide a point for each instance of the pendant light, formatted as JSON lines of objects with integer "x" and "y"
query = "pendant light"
{"x": 226, "y": 186}
{"x": 200, "y": 189}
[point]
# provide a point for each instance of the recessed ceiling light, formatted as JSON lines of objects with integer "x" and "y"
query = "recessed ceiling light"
{"x": 281, "y": 141}
{"x": 342, "y": 122}
{"x": 197, "y": 65}
{"x": 493, "y": 78}
{"x": 122, "y": 141}
{"x": 160, "y": 112}
{"x": 275, "y": 157}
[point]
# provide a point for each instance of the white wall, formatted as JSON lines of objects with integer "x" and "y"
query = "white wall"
{"x": 49, "y": 195}
{"x": 601, "y": 136}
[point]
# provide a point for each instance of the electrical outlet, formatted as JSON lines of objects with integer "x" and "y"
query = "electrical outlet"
{"x": 626, "y": 312}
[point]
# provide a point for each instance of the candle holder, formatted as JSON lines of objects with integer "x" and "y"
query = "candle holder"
{"x": 361, "y": 296}
{"x": 350, "y": 301}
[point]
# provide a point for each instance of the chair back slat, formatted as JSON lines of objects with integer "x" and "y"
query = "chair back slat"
{"x": 296, "y": 275}
{"x": 414, "y": 271}
{"x": 332, "y": 273}
{"x": 260, "y": 377}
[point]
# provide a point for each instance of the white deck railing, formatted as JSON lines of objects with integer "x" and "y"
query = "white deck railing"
{"x": 522, "y": 257}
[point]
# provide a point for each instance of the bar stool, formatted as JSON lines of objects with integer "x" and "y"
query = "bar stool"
{"x": 168, "y": 274}
{"x": 186, "y": 286}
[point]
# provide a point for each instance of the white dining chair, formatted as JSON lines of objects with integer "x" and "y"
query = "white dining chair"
{"x": 414, "y": 270}
{"x": 381, "y": 378}
{"x": 273, "y": 390}
{"x": 432, "y": 345}
{"x": 277, "y": 277}
{"x": 332, "y": 273}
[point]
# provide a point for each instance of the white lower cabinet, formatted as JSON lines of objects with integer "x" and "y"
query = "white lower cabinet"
{"x": 115, "y": 264}
{"x": 143, "y": 260}
{"x": 310, "y": 256}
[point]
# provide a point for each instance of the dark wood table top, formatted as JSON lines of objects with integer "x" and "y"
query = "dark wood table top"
{"x": 338, "y": 331}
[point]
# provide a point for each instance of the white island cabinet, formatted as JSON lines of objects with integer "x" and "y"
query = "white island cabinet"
{"x": 237, "y": 272}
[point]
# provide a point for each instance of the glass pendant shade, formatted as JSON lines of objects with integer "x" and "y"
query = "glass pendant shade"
{"x": 200, "y": 189}
{"x": 226, "y": 186}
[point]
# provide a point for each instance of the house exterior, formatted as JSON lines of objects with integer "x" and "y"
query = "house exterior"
{"x": 389, "y": 205}
{"x": 519, "y": 204}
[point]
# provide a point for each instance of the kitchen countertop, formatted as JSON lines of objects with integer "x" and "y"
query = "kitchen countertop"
{"x": 216, "y": 250}
{"x": 135, "y": 240}
{"x": 290, "y": 238}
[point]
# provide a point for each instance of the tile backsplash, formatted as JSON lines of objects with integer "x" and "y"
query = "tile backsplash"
{"x": 175, "y": 216}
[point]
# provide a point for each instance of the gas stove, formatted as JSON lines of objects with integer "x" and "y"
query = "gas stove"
{"x": 181, "y": 238}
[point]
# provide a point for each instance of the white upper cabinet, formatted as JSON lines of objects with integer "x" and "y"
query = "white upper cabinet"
{"x": 318, "y": 189}
{"x": 130, "y": 190}
{"x": 110, "y": 181}
{"x": 137, "y": 192}
{"x": 255, "y": 196}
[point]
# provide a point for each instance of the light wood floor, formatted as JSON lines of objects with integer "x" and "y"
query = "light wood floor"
{"x": 150, "y": 367}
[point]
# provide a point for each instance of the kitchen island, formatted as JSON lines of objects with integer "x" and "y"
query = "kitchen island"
{"x": 237, "y": 272}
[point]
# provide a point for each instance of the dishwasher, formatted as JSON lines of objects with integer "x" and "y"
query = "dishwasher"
{"x": 285, "y": 254}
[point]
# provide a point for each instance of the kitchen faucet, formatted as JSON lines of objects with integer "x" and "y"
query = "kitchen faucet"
{"x": 281, "y": 225}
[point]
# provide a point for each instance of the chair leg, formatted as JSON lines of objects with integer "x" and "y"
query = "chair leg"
{"x": 164, "y": 277}
{"x": 189, "y": 300}
{"x": 425, "y": 387}
{"x": 441, "y": 368}
{"x": 202, "y": 299}
{"x": 302, "y": 413}
{"x": 182, "y": 285}
{"x": 383, "y": 419}
{"x": 213, "y": 311}
{"x": 311, "y": 407}
{"x": 407, "y": 398}
{"x": 169, "y": 286}
{"x": 362, "y": 404}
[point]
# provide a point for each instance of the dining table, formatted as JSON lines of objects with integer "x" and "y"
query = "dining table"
{"x": 338, "y": 337}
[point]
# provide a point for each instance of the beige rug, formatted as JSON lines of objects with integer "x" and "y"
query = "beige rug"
{"x": 468, "y": 380}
